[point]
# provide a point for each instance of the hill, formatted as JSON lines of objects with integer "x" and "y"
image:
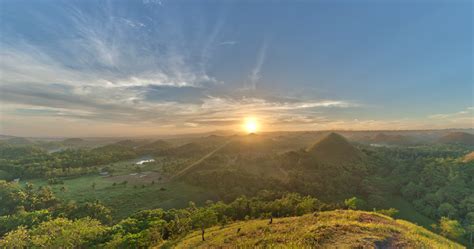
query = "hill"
{"x": 334, "y": 148}
{"x": 331, "y": 168}
{"x": 132, "y": 144}
{"x": 334, "y": 229}
{"x": 382, "y": 138}
{"x": 463, "y": 138}
{"x": 19, "y": 141}
{"x": 72, "y": 141}
{"x": 469, "y": 157}
{"x": 187, "y": 150}
{"x": 156, "y": 147}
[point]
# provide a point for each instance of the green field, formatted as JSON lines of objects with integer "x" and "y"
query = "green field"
{"x": 147, "y": 192}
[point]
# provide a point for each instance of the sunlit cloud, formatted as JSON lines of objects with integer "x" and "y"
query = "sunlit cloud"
{"x": 154, "y": 70}
{"x": 467, "y": 113}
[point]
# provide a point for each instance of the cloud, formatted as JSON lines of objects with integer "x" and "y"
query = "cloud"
{"x": 255, "y": 74}
{"x": 133, "y": 24}
{"x": 467, "y": 113}
{"x": 158, "y": 2}
{"x": 228, "y": 43}
{"x": 147, "y": 74}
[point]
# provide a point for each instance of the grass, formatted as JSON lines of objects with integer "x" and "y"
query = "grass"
{"x": 332, "y": 229}
{"x": 127, "y": 199}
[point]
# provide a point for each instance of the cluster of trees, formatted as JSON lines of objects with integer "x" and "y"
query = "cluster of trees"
{"x": 30, "y": 218}
{"x": 434, "y": 180}
{"x": 31, "y": 162}
{"x": 29, "y": 206}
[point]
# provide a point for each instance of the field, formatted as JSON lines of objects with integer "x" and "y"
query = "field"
{"x": 142, "y": 190}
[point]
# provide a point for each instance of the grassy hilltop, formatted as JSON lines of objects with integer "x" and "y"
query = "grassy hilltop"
{"x": 331, "y": 229}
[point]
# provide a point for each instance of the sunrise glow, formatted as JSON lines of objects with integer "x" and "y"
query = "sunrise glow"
{"x": 251, "y": 125}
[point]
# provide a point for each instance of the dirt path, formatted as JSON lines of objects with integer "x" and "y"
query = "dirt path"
{"x": 191, "y": 166}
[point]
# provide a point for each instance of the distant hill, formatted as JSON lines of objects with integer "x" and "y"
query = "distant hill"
{"x": 19, "y": 141}
{"x": 132, "y": 143}
{"x": 331, "y": 168}
{"x": 156, "y": 147}
{"x": 73, "y": 141}
{"x": 382, "y": 138}
{"x": 469, "y": 157}
{"x": 334, "y": 148}
{"x": 187, "y": 150}
{"x": 332, "y": 229}
{"x": 3, "y": 137}
{"x": 463, "y": 138}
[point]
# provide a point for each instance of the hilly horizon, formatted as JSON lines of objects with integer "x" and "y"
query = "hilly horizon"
{"x": 458, "y": 138}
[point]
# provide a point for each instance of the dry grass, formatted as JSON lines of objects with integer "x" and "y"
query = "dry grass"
{"x": 334, "y": 229}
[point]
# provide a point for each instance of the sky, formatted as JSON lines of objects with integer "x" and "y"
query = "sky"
{"x": 150, "y": 67}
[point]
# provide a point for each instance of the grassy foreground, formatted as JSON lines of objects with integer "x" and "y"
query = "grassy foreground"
{"x": 332, "y": 229}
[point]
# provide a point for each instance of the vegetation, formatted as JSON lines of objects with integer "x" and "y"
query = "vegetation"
{"x": 341, "y": 229}
{"x": 109, "y": 199}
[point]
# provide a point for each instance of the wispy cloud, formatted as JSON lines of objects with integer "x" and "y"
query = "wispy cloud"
{"x": 468, "y": 112}
{"x": 255, "y": 75}
{"x": 228, "y": 43}
{"x": 148, "y": 72}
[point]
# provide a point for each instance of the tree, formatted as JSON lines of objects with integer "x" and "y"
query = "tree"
{"x": 94, "y": 210}
{"x": 389, "y": 212}
{"x": 451, "y": 228}
{"x": 447, "y": 210}
{"x": 203, "y": 218}
{"x": 57, "y": 233}
{"x": 16, "y": 239}
{"x": 469, "y": 226}
{"x": 355, "y": 203}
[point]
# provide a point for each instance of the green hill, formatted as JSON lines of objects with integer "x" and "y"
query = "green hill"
{"x": 331, "y": 229}
{"x": 73, "y": 141}
{"x": 19, "y": 141}
{"x": 156, "y": 147}
{"x": 382, "y": 138}
{"x": 334, "y": 148}
{"x": 463, "y": 138}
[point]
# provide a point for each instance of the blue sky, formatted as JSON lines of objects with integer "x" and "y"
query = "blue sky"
{"x": 88, "y": 68}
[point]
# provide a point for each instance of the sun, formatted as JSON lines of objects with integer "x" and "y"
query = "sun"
{"x": 251, "y": 125}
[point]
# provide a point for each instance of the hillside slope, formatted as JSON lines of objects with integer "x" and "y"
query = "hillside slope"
{"x": 469, "y": 157}
{"x": 332, "y": 229}
{"x": 334, "y": 148}
{"x": 463, "y": 138}
{"x": 382, "y": 138}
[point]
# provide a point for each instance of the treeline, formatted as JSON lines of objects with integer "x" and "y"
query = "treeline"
{"x": 31, "y": 162}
